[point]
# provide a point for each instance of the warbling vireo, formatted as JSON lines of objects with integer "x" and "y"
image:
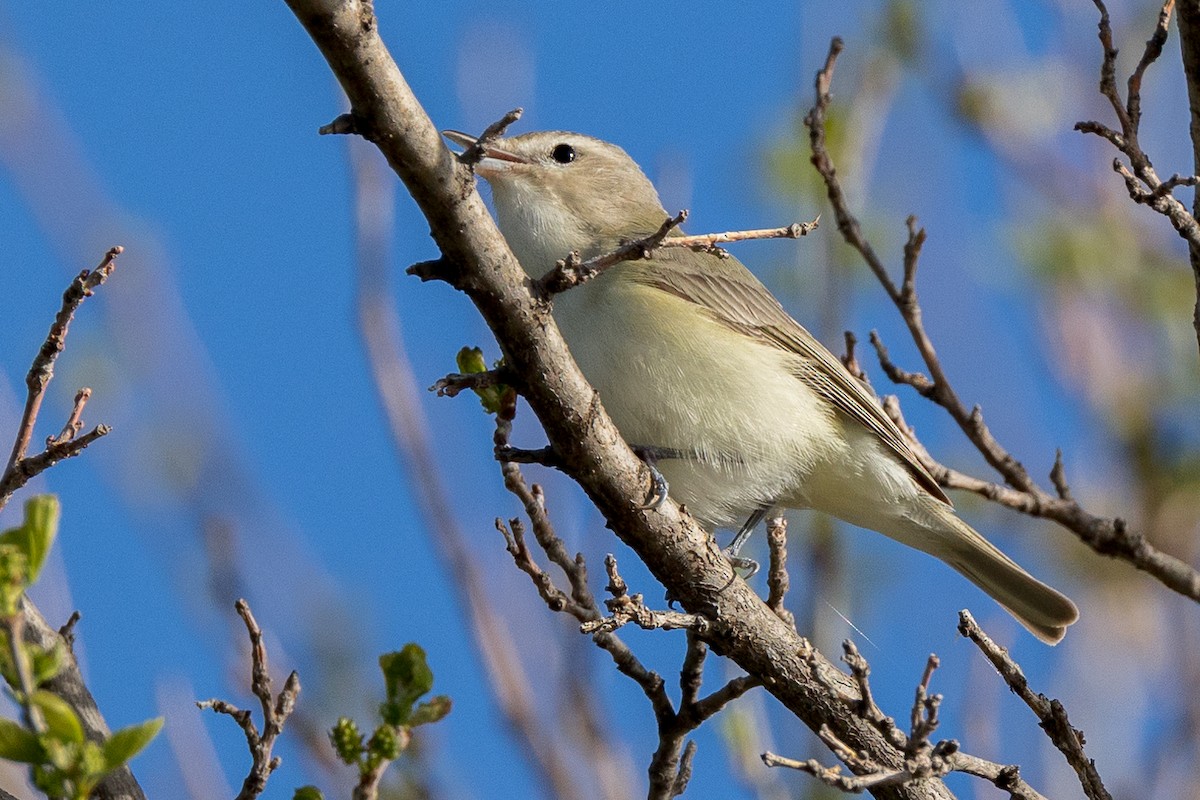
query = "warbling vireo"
{"x": 692, "y": 356}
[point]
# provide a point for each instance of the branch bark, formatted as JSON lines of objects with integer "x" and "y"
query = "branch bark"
{"x": 475, "y": 259}
{"x": 1189, "y": 44}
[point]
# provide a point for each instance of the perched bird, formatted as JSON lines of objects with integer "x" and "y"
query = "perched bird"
{"x": 698, "y": 363}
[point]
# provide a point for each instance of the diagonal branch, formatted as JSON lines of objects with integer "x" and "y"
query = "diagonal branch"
{"x": 1050, "y": 713}
{"x": 475, "y": 259}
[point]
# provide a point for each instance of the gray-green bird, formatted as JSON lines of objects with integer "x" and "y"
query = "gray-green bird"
{"x": 693, "y": 357}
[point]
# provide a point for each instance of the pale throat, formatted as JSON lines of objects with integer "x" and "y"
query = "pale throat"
{"x": 539, "y": 229}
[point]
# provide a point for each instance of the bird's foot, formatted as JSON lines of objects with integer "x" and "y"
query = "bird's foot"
{"x": 746, "y": 567}
{"x": 658, "y": 483}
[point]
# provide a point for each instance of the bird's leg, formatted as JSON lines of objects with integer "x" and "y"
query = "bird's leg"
{"x": 731, "y": 552}
{"x": 658, "y": 484}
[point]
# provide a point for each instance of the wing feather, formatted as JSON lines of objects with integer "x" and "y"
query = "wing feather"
{"x": 735, "y": 297}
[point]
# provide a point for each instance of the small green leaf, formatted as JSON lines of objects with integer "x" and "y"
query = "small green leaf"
{"x": 346, "y": 739}
{"x": 470, "y": 360}
{"x": 46, "y": 664}
{"x": 432, "y": 710}
{"x": 384, "y": 744}
{"x": 308, "y": 793}
{"x": 41, "y": 521}
{"x": 18, "y": 744}
{"x": 128, "y": 742}
{"x": 61, "y": 720}
{"x": 34, "y": 537}
{"x": 406, "y": 675}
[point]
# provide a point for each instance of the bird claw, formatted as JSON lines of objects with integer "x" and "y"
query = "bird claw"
{"x": 740, "y": 563}
{"x": 659, "y": 487}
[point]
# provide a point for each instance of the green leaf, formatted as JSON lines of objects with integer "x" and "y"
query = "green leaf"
{"x": 470, "y": 360}
{"x": 432, "y": 710}
{"x": 61, "y": 720}
{"x": 346, "y": 739}
{"x": 46, "y": 664}
{"x": 18, "y": 744}
{"x": 41, "y": 521}
{"x": 14, "y": 576}
{"x": 308, "y": 793}
{"x": 128, "y": 742}
{"x": 406, "y": 675}
{"x": 34, "y": 538}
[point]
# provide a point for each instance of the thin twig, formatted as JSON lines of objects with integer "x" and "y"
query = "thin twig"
{"x": 625, "y": 608}
{"x": 74, "y": 422}
{"x": 275, "y": 709}
{"x": 572, "y": 271}
{"x": 1050, "y": 713}
{"x": 1107, "y": 536}
{"x": 777, "y": 574}
{"x": 670, "y": 766}
{"x": 455, "y": 382}
{"x": 20, "y": 468}
{"x": 1141, "y": 180}
{"x": 706, "y": 241}
{"x": 923, "y": 758}
{"x": 478, "y": 149}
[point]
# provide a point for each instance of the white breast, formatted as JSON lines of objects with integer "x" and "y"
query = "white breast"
{"x": 673, "y": 377}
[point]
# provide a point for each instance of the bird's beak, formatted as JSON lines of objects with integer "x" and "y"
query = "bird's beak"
{"x": 495, "y": 159}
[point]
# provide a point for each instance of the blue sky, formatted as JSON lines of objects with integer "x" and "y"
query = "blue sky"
{"x": 225, "y": 350}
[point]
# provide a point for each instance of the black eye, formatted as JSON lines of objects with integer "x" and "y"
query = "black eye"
{"x": 563, "y": 154}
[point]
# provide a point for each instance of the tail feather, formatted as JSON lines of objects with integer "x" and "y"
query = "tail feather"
{"x": 933, "y": 527}
{"x": 1044, "y": 611}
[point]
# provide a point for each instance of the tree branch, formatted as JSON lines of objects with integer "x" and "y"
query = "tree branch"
{"x": 275, "y": 710}
{"x": 21, "y": 468}
{"x": 922, "y": 757}
{"x": 1141, "y": 179}
{"x": 1050, "y": 713}
{"x": 1108, "y": 536}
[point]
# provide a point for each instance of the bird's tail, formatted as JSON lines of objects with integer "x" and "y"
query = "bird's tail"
{"x": 1044, "y": 611}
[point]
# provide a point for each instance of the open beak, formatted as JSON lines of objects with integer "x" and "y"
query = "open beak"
{"x": 491, "y": 152}
{"x": 495, "y": 159}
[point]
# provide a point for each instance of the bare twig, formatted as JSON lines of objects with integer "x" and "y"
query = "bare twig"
{"x": 777, "y": 574}
{"x": 670, "y": 766}
{"x": 21, "y": 468}
{"x": 455, "y": 382}
{"x": 923, "y": 759}
{"x": 1050, "y": 713}
{"x": 74, "y": 422}
{"x": 625, "y": 608}
{"x": 705, "y": 241}
{"x": 572, "y": 270}
{"x": 477, "y": 150}
{"x": 1141, "y": 180}
{"x": 1107, "y": 536}
{"x": 275, "y": 710}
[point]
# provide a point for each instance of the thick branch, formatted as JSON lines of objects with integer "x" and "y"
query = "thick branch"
{"x": 1189, "y": 44}
{"x": 475, "y": 258}
{"x": 68, "y": 684}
